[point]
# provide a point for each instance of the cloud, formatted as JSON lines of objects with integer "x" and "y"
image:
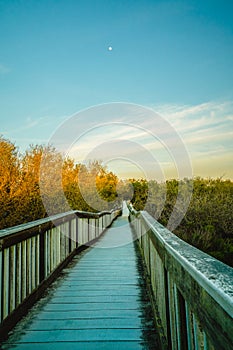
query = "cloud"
{"x": 230, "y": 117}
{"x": 207, "y": 117}
{"x": 28, "y": 124}
{"x": 30, "y": 130}
{"x": 211, "y": 109}
{"x": 206, "y": 136}
{"x": 106, "y": 134}
{"x": 206, "y": 130}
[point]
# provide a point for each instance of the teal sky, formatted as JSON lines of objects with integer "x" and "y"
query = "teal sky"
{"x": 173, "y": 56}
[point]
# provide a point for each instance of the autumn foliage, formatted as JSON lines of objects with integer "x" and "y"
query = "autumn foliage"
{"x": 41, "y": 182}
{"x": 41, "y": 179}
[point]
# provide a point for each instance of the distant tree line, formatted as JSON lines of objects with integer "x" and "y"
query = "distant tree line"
{"x": 25, "y": 185}
{"x": 208, "y": 222}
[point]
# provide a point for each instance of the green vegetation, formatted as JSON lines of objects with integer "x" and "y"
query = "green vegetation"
{"x": 207, "y": 225}
{"x": 208, "y": 222}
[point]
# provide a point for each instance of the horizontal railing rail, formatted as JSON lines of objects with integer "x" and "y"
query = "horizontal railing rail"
{"x": 31, "y": 255}
{"x": 192, "y": 291}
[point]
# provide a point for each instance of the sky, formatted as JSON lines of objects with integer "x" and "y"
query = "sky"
{"x": 171, "y": 57}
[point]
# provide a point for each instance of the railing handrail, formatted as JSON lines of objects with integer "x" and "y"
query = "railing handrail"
{"x": 213, "y": 275}
{"x": 192, "y": 291}
{"x": 39, "y": 222}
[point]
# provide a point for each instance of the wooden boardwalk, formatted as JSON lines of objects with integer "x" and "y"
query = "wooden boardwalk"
{"x": 99, "y": 302}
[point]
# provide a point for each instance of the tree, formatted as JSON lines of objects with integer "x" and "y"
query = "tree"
{"x": 140, "y": 193}
{"x": 9, "y": 182}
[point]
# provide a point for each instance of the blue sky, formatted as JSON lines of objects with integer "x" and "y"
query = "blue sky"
{"x": 172, "y": 56}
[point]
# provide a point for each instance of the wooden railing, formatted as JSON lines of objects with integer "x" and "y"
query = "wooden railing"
{"x": 192, "y": 292}
{"x": 32, "y": 254}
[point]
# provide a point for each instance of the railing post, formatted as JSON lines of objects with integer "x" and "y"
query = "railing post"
{"x": 12, "y": 274}
{"x": 172, "y": 312}
{"x": 58, "y": 245}
{"x": 189, "y": 326}
{"x": 6, "y": 283}
{"x": 96, "y": 227}
{"x": 37, "y": 259}
{"x": 33, "y": 261}
{"x": 77, "y": 231}
{"x": 51, "y": 250}
{"x": 42, "y": 255}
{"x": 63, "y": 242}
{"x": 181, "y": 320}
{"x": 70, "y": 235}
{"x": 29, "y": 267}
{"x": 167, "y": 309}
{"x": 100, "y": 224}
{"x": 24, "y": 270}
{"x": 80, "y": 231}
{"x": 195, "y": 333}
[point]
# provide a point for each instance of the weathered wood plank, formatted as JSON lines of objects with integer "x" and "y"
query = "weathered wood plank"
{"x": 74, "y": 299}
{"x": 85, "y": 314}
{"x": 110, "y": 323}
{"x": 116, "y": 345}
{"x": 77, "y": 335}
{"x": 93, "y": 306}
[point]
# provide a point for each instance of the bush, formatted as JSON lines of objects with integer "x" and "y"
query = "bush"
{"x": 208, "y": 222}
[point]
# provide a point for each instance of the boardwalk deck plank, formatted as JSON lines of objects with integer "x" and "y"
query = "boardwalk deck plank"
{"x": 48, "y": 324}
{"x": 100, "y": 345}
{"x": 85, "y": 314}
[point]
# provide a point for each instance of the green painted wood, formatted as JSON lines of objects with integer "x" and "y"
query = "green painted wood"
{"x": 76, "y": 335}
{"x": 99, "y": 302}
{"x": 95, "y": 314}
{"x": 103, "y": 323}
{"x": 100, "y": 345}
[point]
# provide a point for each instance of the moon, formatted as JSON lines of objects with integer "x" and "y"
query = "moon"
{"x": 110, "y": 48}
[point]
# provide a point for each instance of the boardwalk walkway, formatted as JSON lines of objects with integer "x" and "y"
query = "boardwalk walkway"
{"x": 99, "y": 302}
